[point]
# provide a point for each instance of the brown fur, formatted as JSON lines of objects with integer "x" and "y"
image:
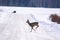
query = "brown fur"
{"x": 33, "y": 25}
{"x": 55, "y": 18}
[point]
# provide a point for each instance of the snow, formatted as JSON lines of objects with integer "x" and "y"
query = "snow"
{"x": 13, "y": 26}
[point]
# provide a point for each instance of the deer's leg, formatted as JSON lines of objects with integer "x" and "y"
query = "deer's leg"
{"x": 37, "y": 26}
{"x": 33, "y": 29}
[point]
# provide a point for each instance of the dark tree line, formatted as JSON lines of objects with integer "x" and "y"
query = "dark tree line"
{"x": 31, "y": 3}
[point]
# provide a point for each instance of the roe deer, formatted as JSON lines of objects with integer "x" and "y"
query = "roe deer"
{"x": 33, "y": 25}
{"x": 55, "y": 18}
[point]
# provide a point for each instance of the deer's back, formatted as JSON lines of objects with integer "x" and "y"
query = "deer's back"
{"x": 34, "y": 24}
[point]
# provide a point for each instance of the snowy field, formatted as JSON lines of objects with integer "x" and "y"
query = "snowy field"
{"x": 13, "y": 26}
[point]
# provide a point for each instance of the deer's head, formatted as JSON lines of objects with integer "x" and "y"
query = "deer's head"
{"x": 27, "y": 21}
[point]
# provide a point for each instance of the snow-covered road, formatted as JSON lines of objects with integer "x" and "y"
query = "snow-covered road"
{"x": 14, "y": 27}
